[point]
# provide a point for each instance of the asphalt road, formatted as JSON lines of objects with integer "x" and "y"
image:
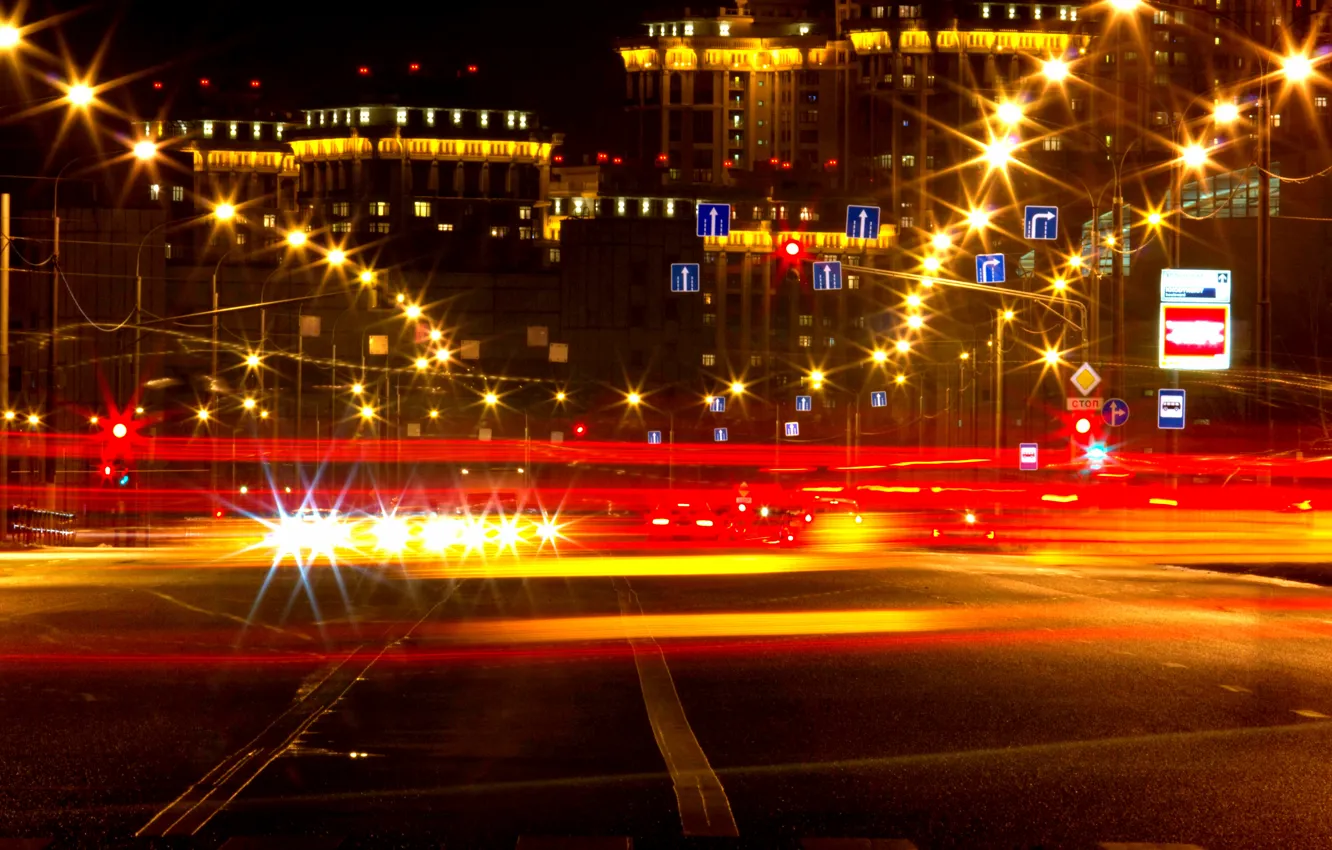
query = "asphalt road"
{"x": 948, "y": 700}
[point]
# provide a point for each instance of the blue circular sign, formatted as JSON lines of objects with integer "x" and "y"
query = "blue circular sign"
{"x": 1115, "y": 412}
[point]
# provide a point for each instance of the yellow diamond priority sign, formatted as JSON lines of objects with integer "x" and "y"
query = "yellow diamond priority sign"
{"x": 1085, "y": 379}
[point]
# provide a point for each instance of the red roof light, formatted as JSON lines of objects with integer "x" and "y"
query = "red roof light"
{"x": 471, "y": 69}
{"x": 254, "y": 84}
{"x": 617, "y": 161}
{"x": 364, "y": 70}
{"x": 601, "y": 157}
{"x": 203, "y": 81}
{"x": 157, "y": 84}
{"x": 558, "y": 158}
{"x": 414, "y": 67}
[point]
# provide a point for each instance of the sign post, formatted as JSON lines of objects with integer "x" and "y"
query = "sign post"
{"x": 1029, "y": 457}
{"x": 827, "y": 275}
{"x": 1170, "y": 409}
{"x": 719, "y": 435}
{"x": 879, "y": 398}
{"x": 804, "y": 403}
{"x": 793, "y": 429}
{"x": 714, "y": 220}
{"x": 1115, "y": 412}
{"x": 1195, "y": 319}
{"x": 862, "y": 222}
{"x": 989, "y": 268}
{"x": 684, "y": 277}
{"x": 1040, "y": 222}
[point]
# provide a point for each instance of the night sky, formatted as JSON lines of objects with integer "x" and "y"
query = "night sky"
{"x": 555, "y": 58}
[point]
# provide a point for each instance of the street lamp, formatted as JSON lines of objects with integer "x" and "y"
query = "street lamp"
{"x": 442, "y": 355}
{"x": 252, "y": 361}
{"x": 903, "y": 346}
{"x": 1226, "y": 112}
{"x": 931, "y": 264}
{"x": 357, "y": 388}
{"x": 79, "y": 94}
{"x": 202, "y": 415}
{"x": 941, "y": 241}
{"x": 412, "y": 311}
{"x": 560, "y": 396}
{"x": 422, "y": 363}
{"x": 737, "y": 388}
{"x": 913, "y": 300}
{"x": 1052, "y": 356}
{"x": 9, "y": 37}
{"x": 1009, "y": 113}
{"x": 915, "y": 322}
{"x": 1194, "y": 155}
{"x": 248, "y": 404}
{"x": 367, "y": 412}
{"x": 436, "y": 334}
{"x": 879, "y": 356}
{"x": 224, "y": 212}
{"x": 367, "y": 277}
{"x": 1297, "y": 67}
{"x": 998, "y": 153}
{"x": 296, "y": 238}
{"x": 144, "y": 150}
{"x": 633, "y": 399}
{"x": 336, "y": 257}
{"x": 900, "y": 379}
{"x": 1055, "y": 70}
{"x": 491, "y": 399}
{"x": 978, "y": 219}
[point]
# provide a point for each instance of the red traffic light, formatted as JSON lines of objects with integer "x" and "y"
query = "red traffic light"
{"x": 1083, "y": 425}
{"x": 580, "y": 429}
{"x": 106, "y": 470}
{"x": 791, "y": 249}
{"x": 119, "y": 430}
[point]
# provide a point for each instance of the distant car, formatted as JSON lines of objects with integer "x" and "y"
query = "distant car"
{"x": 768, "y": 525}
{"x": 832, "y": 506}
{"x": 961, "y": 528}
{"x": 686, "y": 521}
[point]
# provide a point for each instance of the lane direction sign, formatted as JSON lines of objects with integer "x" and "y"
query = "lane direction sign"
{"x": 804, "y": 403}
{"x": 654, "y": 438}
{"x": 1039, "y": 222}
{"x": 793, "y": 429}
{"x": 879, "y": 398}
{"x": 684, "y": 277}
{"x": 828, "y": 275}
{"x": 714, "y": 219}
{"x": 1115, "y": 412}
{"x": 989, "y": 268}
{"x": 719, "y": 435}
{"x": 862, "y": 222}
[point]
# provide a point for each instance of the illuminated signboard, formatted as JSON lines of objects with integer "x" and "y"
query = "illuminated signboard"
{"x": 1195, "y": 336}
{"x": 1195, "y": 319}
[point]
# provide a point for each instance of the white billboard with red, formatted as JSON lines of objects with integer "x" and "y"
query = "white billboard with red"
{"x": 1195, "y": 319}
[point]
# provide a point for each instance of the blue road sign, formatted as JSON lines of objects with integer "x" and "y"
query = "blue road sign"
{"x": 1115, "y": 411}
{"x": 879, "y": 398}
{"x": 654, "y": 438}
{"x": 714, "y": 219}
{"x": 989, "y": 268}
{"x": 862, "y": 222}
{"x": 1170, "y": 409}
{"x": 804, "y": 403}
{"x": 718, "y": 404}
{"x": 1040, "y": 222}
{"x": 793, "y": 429}
{"x": 719, "y": 435}
{"x": 684, "y": 277}
{"x": 828, "y": 275}
{"x": 1029, "y": 457}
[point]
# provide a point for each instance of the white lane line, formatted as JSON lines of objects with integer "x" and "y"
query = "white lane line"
{"x": 704, "y": 809}
{"x": 1310, "y": 713}
{"x": 1236, "y": 689}
{"x": 1175, "y": 665}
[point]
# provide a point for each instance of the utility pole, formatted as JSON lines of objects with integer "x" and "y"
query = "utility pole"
{"x": 1262, "y": 326}
{"x": 998, "y": 383}
{"x": 4, "y": 361}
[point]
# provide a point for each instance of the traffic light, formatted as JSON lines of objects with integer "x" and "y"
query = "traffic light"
{"x": 117, "y": 451}
{"x": 1087, "y": 443}
{"x": 579, "y": 430}
{"x": 791, "y": 250}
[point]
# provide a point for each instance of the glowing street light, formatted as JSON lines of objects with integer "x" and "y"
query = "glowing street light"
{"x": 1009, "y": 112}
{"x": 1008, "y": 315}
{"x": 633, "y": 399}
{"x": 79, "y": 94}
{"x": 34, "y": 419}
{"x": 224, "y": 212}
{"x": 367, "y": 412}
{"x": 436, "y": 334}
{"x": 978, "y": 219}
{"x": 144, "y": 150}
{"x": 336, "y": 257}
{"x": 491, "y": 399}
{"x": 879, "y": 356}
{"x": 296, "y": 238}
{"x": 1052, "y": 356}
{"x": 560, "y": 396}
{"x": 367, "y": 277}
{"x": 422, "y": 363}
{"x": 138, "y": 411}
{"x": 903, "y": 346}
{"x": 1154, "y": 219}
{"x": 915, "y": 322}
{"x": 92, "y": 420}
{"x": 412, "y": 311}
{"x": 941, "y": 241}
{"x": 1075, "y": 261}
{"x": 442, "y": 355}
{"x": 998, "y": 153}
{"x": 252, "y": 361}
{"x": 1194, "y": 155}
{"x": 1124, "y": 6}
{"x": 1055, "y": 70}
{"x": 248, "y": 404}
{"x": 1297, "y": 67}
{"x": 737, "y": 387}
{"x": 9, "y": 37}
{"x": 263, "y": 414}
{"x": 357, "y": 388}
{"x": 899, "y": 379}
{"x": 1060, "y": 284}
{"x": 202, "y": 414}
{"x": 931, "y": 264}
{"x": 966, "y": 355}
{"x": 434, "y": 414}
{"x": 1226, "y": 112}
{"x": 1108, "y": 240}
{"x": 913, "y": 300}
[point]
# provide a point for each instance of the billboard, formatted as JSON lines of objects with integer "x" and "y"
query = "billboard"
{"x": 1195, "y": 336}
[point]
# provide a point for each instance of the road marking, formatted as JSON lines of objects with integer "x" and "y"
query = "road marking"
{"x": 1145, "y": 845}
{"x": 1236, "y": 689}
{"x": 704, "y": 809}
{"x": 1174, "y": 665}
{"x": 199, "y": 803}
{"x": 1310, "y": 713}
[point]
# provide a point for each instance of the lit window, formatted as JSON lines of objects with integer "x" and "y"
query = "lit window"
{"x": 853, "y": 281}
{"x": 309, "y": 119}
{"x": 985, "y": 10}
{"x": 421, "y": 209}
{"x": 619, "y": 207}
{"x": 270, "y": 220}
{"x": 1012, "y": 12}
{"x": 208, "y": 129}
{"x": 256, "y": 130}
{"x": 1276, "y": 119}
{"x": 365, "y": 116}
{"x": 804, "y": 213}
{"x": 511, "y": 120}
{"x": 646, "y": 206}
{"x": 553, "y": 255}
{"x": 689, "y": 29}
{"x": 709, "y": 360}
{"x": 803, "y": 29}
{"x": 723, "y": 29}
{"x": 805, "y": 341}
{"x": 526, "y": 233}
{"x": 1036, "y": 12}
{"x": 379, "y": 208}
{"x": 525, "y": 213}
{"x": 240, "y": 238}
{"x": 445, "y": 227}
{"x": 154, "y": 192}
{"x": 340, "y": 227}
{"x": 457, "y": 116}
{"x": 559, "y": 205}
{"x": 430, "y": 117}
{"x": 908, "y": 221}
{"x": 908, "y": 160}
{"x": 670, "y": 205}
{"x": 231, "y": 128}
{"x": 1052, "y": 143}
{"x": 166, "y": 250}
{"x": 806, "y": 320}
{"x": 499, "y": 232}
{"x": 1063, "y": 13}
{"x": 277, "y": 131}
{"x": 349, "y": 117}
{"x": 1320, "y": 102}
{"x": 177, "y": 193}
{"x": 484, "y": 119}
{"x": 379, "y": 227}
{"x": 402, "y": 116}
{"x": 522, "y": 120}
